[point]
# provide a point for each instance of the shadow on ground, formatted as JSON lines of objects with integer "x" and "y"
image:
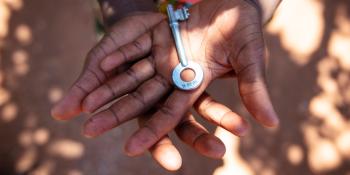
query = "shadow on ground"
{"x": 42, "y": 48}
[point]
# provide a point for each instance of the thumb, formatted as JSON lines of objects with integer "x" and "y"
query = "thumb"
{"x": 250, "y": 68}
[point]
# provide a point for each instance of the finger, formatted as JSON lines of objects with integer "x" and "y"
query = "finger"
{"x": 220, "y": 115}
{"x": 119, "y": 85}
{"x": 252, "y": 87}
{"x": 196, "y": 136}
{"x": 163, "y": 121}
{"x": 166, "y": 154}
{"x": 92, "y": 76}
{"x": 178, "y": 103}
{"x": 164, "y": 151}
{"x": 128, "y": 107}
{"x": 128, "y": 53}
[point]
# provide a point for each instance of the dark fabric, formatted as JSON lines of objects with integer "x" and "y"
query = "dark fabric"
{"x": 122, "y": 8}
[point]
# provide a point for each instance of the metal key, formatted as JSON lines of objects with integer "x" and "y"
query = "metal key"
{"x": 175, "y": 16}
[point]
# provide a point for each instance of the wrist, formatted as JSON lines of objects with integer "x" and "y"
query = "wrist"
{"x": 114, "y": 10}
{"x": 266, "y": 8}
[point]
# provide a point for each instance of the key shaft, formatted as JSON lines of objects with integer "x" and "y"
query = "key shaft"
{"x": 174, "y": 17}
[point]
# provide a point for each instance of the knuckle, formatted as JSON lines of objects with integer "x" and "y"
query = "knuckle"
{"x": 139, "y": 96}
{"x": 205, "y": 104}
{"x": 162, "y": 81}
{"x": 185, "y": 123}
{"x": 99, "y": 77}
{"x": 87, "y": 82}
{"x": 109, "y": 87}
{"x": 223, "y": 116}
{"x": 151, "y": 130}
{"x": 138, "y": 45}
{"x": 168, "y": 111}
{"x": 132, "y": 74}
{"x": 114, "y": 41}
{"x": 251, "y": 74}
{"x": 151, "y": 60}
{"x": 116, "y": 35}
{"x": 95, "y": 54}
{"x": 115, "y": 115}
{"x": 123, "y": 51}
{"x": 102, "y": 49}
{"x": 77, "y": 85}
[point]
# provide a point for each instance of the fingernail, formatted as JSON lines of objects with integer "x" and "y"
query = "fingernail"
{"x": 139, "y": 142}
{"x": 90, "y": 129}
{"x": 65, "y": 109}
{"x": 242, "y": 129}
{"x": 56, "y": 112}
{"x": 273, "y": 122}
{"x": 167, "y": 156}
{"x": 86, "y": 133}
{"x": 241, "y": 132}
{"x": 132, "y": 149}
{"x": 99, "y": 124}
{"x": 171, "y": 163}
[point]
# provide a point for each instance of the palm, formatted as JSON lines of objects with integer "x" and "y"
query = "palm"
{"x": 219, "y": 32}
{"x": 89, "y": 93}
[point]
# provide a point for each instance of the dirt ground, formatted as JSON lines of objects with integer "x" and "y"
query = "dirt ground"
{"x": 42, "y": 49}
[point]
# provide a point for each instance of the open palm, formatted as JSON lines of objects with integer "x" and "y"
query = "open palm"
{"x": 86, "y": 96}
{"x": 224, "y": 37}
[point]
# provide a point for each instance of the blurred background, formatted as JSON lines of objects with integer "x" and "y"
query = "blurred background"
{"x": 42, "y": 49}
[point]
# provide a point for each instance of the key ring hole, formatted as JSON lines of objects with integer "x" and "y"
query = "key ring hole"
{"x": 197, "y": 73}
{"x": 188, "y": 74}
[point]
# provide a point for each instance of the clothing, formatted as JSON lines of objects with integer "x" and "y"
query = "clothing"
{"x": 162, "y": 4}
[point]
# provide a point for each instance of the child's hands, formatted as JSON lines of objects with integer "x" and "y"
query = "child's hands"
{"x": 224, "y": 36}
{"x": 92, "y": 78}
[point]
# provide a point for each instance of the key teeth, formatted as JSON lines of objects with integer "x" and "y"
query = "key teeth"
{"x": 182, "y": 14}
{"x": 186, "y": 13}
{"x": 179, "y": 14}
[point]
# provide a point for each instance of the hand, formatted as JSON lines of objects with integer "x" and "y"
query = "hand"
{"x": 92, "y": 78}
{"x": 224, "y": 36}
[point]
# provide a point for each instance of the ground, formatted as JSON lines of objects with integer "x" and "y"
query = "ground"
{"x": 42, "y": 49}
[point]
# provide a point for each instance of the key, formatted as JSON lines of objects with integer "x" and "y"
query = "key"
{"x": 175, "y": 16}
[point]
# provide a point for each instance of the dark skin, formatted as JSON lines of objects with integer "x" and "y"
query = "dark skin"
{"x": 164, "y": 152}
{"x": 223, "y": 49}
